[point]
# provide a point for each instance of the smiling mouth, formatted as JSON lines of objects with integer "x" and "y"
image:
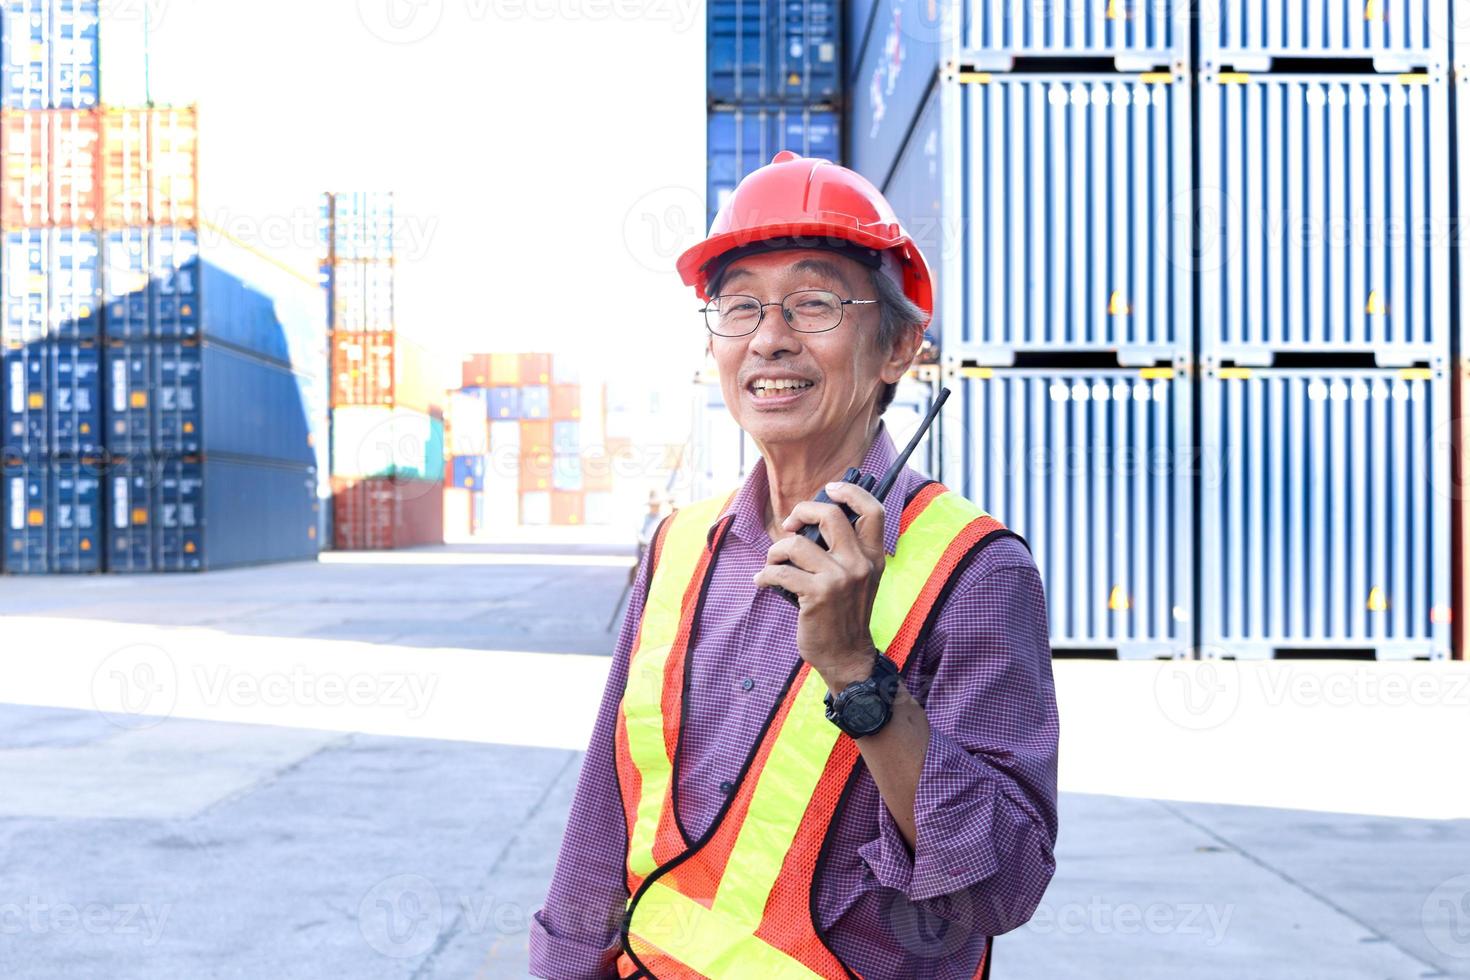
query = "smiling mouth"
{"x": 777, "y": 389}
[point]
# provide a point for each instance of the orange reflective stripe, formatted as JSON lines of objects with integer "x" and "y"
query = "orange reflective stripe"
{"x": 916, "y": 506}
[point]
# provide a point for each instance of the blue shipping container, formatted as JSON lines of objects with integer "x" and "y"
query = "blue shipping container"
{"x": 566, "y": 472}
{"x": 535, "y": 402}
{"x": 566, "y": 437}
{"x": 24, "y": 269}
{"x": 1136, "y": 34}
{"x": 185, "y": 397}
{"x": 25, "y": 399}
{"x": 1396, "y": 34}
{"x": 76, "y": 398}
{"x": 743, "y": 140}
{"x": 469, "y": 472}
{"x": 75, "y": 516}
{"x": 164, "y": 283}
{"x": 1092, "y": 468}
{"x": 50, "y": 54}
{"x": 360, "y": 225}
{"x": 773, "y": 50}
{"x": 191, "y": 514}
{"x": 895, "y": 71}
{"x": 25, "y": 503}
{"x": 503, "y": 403}
{"x": 75, "y": 284}
{"x": 1325, "y": 515}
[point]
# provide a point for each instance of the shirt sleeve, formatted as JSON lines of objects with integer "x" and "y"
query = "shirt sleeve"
{"x": 985, "y": 809}
{"x": 574, "y": 935}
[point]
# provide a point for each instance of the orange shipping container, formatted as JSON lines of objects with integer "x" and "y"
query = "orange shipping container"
{"x": 51, "y": 162}
{"x": 383, "y": 368}
{"x": 386, "y": 513}
{"x": 150, "y": 166}
{"x": 567, "y": 507}
{"x": 535, "y": 369}
{"x": 535, "y": 472}
{"x": 535, "y": 437}
{"x": 566, "y": 402}
{"x": 476, "y": 371}
{"x": 505, "y": 369}
{"x": 596, "y": 471}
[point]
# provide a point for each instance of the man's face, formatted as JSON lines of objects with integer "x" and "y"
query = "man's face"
{"x": 842, "y": 371}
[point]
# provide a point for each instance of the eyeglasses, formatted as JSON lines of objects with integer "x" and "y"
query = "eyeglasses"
{"x": 806, "y": 311}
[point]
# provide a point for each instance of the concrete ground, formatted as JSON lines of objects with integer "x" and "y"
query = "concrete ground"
{"x": 336, "y": 770}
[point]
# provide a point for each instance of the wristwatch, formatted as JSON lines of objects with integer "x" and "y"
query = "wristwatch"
{"x": 863, "y": 708}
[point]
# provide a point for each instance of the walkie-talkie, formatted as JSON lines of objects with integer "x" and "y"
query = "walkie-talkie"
{"x": 853, "y": 475}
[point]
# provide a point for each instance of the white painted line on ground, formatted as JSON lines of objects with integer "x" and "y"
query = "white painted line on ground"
{"x": 471, "y": 558}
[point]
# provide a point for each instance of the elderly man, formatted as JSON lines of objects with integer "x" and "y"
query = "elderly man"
{"x": 859, "y": 784}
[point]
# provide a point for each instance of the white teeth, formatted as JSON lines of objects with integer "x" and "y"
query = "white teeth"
{"x": 782, "y": 384}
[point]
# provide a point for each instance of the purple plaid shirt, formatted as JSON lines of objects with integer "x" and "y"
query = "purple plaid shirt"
{"x": 986, "y": 805}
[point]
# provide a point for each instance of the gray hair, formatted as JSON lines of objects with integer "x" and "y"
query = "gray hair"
{"x": 896, "y": 314}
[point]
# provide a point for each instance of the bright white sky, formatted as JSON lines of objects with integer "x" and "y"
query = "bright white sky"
{"x": 548, "y": 156}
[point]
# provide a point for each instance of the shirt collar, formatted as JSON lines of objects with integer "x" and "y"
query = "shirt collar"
{"x": 749, "y": 502}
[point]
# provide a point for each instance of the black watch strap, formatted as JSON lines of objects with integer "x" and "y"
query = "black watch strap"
{"x": 864, "y": 707}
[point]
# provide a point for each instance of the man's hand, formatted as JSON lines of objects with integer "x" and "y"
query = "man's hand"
{"x": 836, "y": 586}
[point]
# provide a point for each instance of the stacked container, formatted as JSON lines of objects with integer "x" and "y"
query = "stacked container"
{"x": 387, "y": 412}
{"x": 775, "y": 83}
{"x": 534, "y": 453}
{"x": 50, "y": 275}
{"x": 1325, "y": 343}
{"x": 1040, "y": 156}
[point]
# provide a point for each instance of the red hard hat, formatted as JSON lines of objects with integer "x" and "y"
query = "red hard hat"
{"x": 818, "y": 204}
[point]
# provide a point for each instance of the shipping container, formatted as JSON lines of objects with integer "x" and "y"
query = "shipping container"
{"x": 503, "y": 403}
{"x": 1396, "y": 34}
{"x": 466, "y": 422}
{"x": 566, "y": 507}
{"x": 597, "y": 470}
{"x": 26, "y": 489}
{"x": 53, "y": 519}
{"x": 599, "y": 509}
{"x": 51, "y": 163}
{"x": 362, "y": 296}
{"x": 75, "y": 516}
{"x": 566, "y": 437}
{"x": 505, "y": 437}
{"x": 26, "y": 371}
{"x": 1092, "y": 468}
{"x": 536, "y": 508}
{"x": 25, "y": 268}
{"x": 773, "y": 50}
{"x": 383, "y": 369}
{"x": 1353, "y": 260}
{"x": 125, "y": 283}
{"x": 184, "y": 513}
{"x": 566, "y": 401}
{"x": 383, "y": 513}
{"x": 459, "y": 507}
{"x": 379, "y": 441}
{"x": 173, "y": 396}
{"x": 535, "y": 471}
{"x": 1056, "y": 206}
{"x": 535, "y": 401}
{"x": 468, "y": 472}
{"x": 50, "y": 54}
{"x": 475, "y": 371}
{"x": 75, "y": 283}
{"x": 150, "y": 166}
{"x": 361, "y": 226}
{"x": 505, "y": 369}
{"x": 1136, "y": 34}
{"x": 76, "y": 398}
{"x": 1325, "y": 512}
{"x": 742, "y": 140}
{"x": 536, "y": 437}
{"x": 533, "y": 369}
{"x": 896, "y": 68}
{"x": 566, "y": 472}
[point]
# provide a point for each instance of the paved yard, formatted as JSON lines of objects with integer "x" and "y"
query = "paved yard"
{"x": 335, "y": 770}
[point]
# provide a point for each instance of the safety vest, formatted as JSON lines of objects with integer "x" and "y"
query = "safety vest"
{"x": 739, "y": 901}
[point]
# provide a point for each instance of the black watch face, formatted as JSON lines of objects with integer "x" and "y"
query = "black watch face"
{"x": 865, "y": 713}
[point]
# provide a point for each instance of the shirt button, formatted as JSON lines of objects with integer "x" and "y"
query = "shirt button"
{"x": 747, "y": 684}
{"x": 727, "y": 787}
